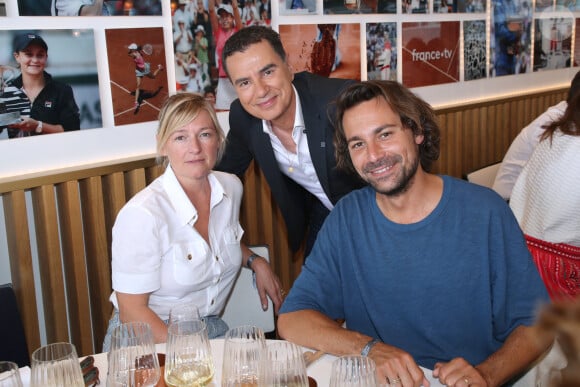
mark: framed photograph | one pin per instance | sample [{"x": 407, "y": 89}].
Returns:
[
  {"x": 323, "y": 49},
  {"x": 61, "y": 67},
  {"x": 553, "y": 43},
  {"x": 89, "y": 7},
  {"x": 137, "y": 73},
  {"x": 382, "y": 51},
  {"x": 474, "y": 50},
  {"x": 430, "y": 53}
]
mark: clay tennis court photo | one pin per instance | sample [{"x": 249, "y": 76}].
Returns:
[{"x": 137, "y": 70}]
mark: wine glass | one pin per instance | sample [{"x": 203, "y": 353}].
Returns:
[
  {"x": 55, "y": 365},
  {"x": 183, "y": 312},
  {"x": 283, "y": 365},
  {"x": 9, "y": 374},
  {"x": 243, "y": 350},
  {"x": 353, "y": 371},
  {"x": 132, "y": 359},
  {"x": 188, "y": 359}
]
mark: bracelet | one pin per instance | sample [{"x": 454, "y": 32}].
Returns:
[
  {"x": 367, "y": 348},
  {"x": 251, "y": 260}
]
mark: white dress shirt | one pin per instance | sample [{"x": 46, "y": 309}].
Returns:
[
  {"x": 298, "y": 166},
  {"x": 157, "y": 250}
]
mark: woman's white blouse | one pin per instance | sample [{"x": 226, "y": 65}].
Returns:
[{"x": 157, "y": 250}]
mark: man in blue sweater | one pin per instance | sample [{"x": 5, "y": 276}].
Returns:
[{"x": 426, "y": 270}]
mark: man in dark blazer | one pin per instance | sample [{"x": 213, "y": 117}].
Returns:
[{"x": 283, "y": 122}]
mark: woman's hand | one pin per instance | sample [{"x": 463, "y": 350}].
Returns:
[{"x": 268, "y": 284}]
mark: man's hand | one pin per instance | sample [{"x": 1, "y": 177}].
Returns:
[
  {"x": 397, "y": 367},
  {"x": 459, "y": 373}
]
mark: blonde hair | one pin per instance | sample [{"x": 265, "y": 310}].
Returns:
[{"x": 178, "y": 111}]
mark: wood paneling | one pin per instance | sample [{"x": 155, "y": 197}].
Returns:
[{"x": 74, "y": 211}]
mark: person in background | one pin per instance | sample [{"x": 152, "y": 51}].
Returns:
[
  {"x": 45, "y": 105},
  {"x": 79, "y": 8},
  {"x": 426, "y": 270},
  {"x": 201, "y": 49},
  {"x": 546, "y": 203},
  {"x": 281, "y": 121},
  {"x": 142, "y": 69},
  {"x": 223, "y": 28},
  {"x": 523, "y": 145},
  {"x": 179, "y": 239}
]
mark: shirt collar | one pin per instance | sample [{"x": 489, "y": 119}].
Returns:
[{"x": 184, "y": 209}]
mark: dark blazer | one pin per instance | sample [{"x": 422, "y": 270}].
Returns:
[{"x": 246, "y": 141}]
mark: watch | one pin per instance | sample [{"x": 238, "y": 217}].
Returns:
[
  {"x": 251, "y": 260},
  {"x": 39, "y": 127}
]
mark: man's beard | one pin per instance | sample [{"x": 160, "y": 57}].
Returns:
[{"x": 403, "y": 182}]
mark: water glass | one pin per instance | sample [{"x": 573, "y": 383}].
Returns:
[
  {"x": 9, "y": 374},
  {"x": 243, "y": 350},
  {"x": 56, "y": 365},
  {"x": 353, "y": 371},
  {"x": 188, "y": 359},
  {"x": 132, "y": 359},
  {"x": 183, "y": 312},
  {"x": 283, "y": 366}
]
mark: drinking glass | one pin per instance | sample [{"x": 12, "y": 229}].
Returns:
[
  {"x": 9, "y": 374},
  {"x": 283, "y": 366},
  {"x": 188, "y": 359},
  {"x": 243, "y": 350},
  {"x": 55, "y": 365},
  {"x": 183, "y": 312},
  {"x": 133, "y": 360},
  {"x": 353, "y": 371}
]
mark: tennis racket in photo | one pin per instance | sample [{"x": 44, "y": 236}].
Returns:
[{"x": 147, "y": 49}]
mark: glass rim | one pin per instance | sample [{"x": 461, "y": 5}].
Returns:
[{"x": 69, "y": 347}]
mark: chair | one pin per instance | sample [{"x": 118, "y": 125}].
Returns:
[
  {"x": 13, "y": 341},
  {"x": 484, "y": 176},
  {"x": 243, "y": 306}
]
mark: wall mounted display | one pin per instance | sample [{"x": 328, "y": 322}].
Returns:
[
  {"x": 510, "y": 40},
  {"x": 48, "y": 76},
  {"x": 552, "y": 43},
  {"x": 323, "y": 49},
  {"x": 415, "y": 6},
  {"x": 359, "y": 6},
  {"x": 474, "y": 50},
  {"x": 2, "y": 8},
  {"x": 430, "y": 53},
  {"x": 89, "y": 8},
  {"x": 298, "y": 7},
  {"x": 137, "y": 72},
  {"x": 381, "y": 41}
]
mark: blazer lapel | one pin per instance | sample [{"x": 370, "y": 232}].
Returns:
[{"x": 316, "y": 133}]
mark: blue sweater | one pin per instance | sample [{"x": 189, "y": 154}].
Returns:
[{"x": 455, "y": 284}]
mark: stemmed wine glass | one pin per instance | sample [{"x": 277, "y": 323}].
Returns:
[
  {"x": 56, "y": 365},
  {"x": 132, "y": 359}
]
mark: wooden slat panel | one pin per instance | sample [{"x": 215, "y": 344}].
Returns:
[
  {"x": 75, "y": 267},
  {"x": 50, "y": 263},
  {"x": 134, "y": 182},
  {"x": 21, "y": 270},
  {"x": 114, "y": 197},
  {"x": 97, "y": 242}
]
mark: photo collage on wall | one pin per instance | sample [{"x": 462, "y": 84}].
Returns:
[{"x": 69, "y": 97}]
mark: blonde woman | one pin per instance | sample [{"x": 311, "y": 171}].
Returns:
[{"x": 179, "y": 239}]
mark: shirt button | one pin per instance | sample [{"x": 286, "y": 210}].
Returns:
[
  {"x": 189, "y": 257},
  {"x": 212, "y": 301},
  {"x": 217, "y": 258}
]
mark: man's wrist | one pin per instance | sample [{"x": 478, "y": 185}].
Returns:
[{"x": 367, "y": 348}]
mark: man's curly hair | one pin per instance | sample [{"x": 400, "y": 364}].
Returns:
[{"x": 415, "y": 114}]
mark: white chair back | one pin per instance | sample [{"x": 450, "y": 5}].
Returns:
[
  {"x": 243, "y": 306},
  {"x": 484, "y": 176}
]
